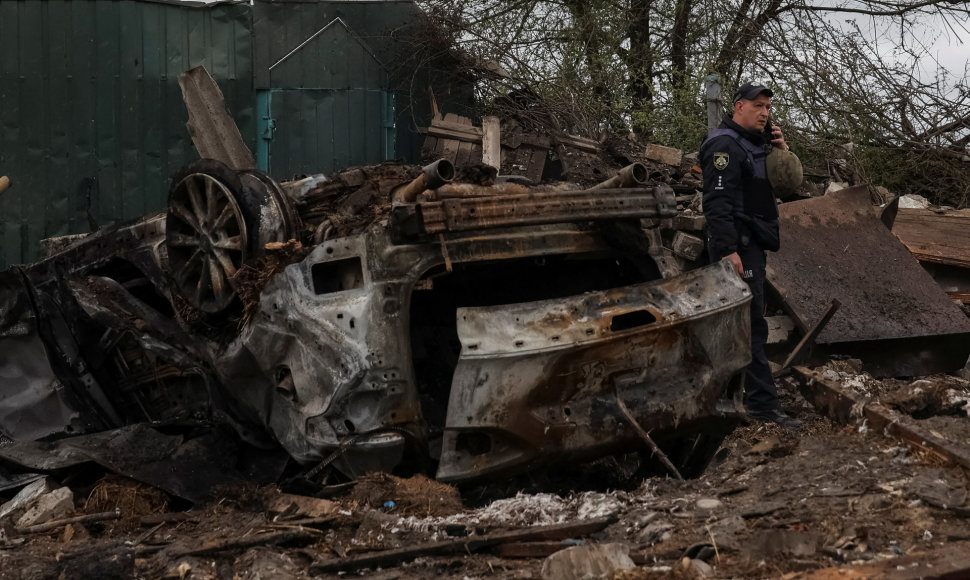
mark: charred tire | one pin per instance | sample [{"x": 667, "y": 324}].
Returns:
[
  {"x": 206, "y": 234},
  {"x": 269, "y": 215}
]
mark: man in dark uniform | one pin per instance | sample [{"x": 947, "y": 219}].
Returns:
[{"x": 742, "y": 223}]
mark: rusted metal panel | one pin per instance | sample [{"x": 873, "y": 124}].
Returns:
[
  {"x": 539, "y": 380},
  {"x": 213, "y": 130},
  {"x": 836, "y": 247},
  {"x": 455, "y": 215}
]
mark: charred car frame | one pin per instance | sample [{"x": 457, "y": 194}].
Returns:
[{"x": 469, "y": 329}]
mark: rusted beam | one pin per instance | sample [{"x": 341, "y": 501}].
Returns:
[
  {"x": 432, "y": 175},
  {"x": 467, "y": 190},
  {"x": 838, "y": 404},
  {"x": 633, "y": 175},
  {"x": 455, "y": 215},
  {"x": 463, "y": 545}
]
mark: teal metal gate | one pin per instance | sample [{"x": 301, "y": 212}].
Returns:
[{"x": 325, "y": 129}]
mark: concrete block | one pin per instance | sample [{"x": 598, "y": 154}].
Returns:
[
  {"x": 690, "y": 222},
  {"x": 780, "y": 328},
  {"x": 26, "y": 497},
  {"x": 666, "y": 155},
  {"x": 687, "y": 246},
  {"x": 50, "y": 506}
]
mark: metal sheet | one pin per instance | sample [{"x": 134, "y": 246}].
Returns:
[
  {"x": 194, "y": 468},
  {"x": 536, "y": 382},
  {"x": 836, "y": 247}
]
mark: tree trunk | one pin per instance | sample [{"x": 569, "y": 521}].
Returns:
[
  {"x": 640, "y": 63},
  {"x": 744, "y": 30}
]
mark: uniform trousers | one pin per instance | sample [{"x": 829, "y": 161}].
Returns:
[{"x": 760, "y": 393}]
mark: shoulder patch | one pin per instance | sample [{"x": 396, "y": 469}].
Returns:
[{"x": 721, "y": 161}]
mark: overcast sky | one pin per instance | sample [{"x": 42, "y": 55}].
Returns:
[{"x": 952, "y": 47}]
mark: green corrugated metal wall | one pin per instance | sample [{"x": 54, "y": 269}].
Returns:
[
  {"x": 89, "y": 89},
  {"x": 330, "y": 106},
  {"x": 391, "y": 28},
  {"x": 89, "y": 92}
]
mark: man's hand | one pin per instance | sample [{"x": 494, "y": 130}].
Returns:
[
  {"x": 736, "y": 261},
  {"x": 778, "y": 138}
]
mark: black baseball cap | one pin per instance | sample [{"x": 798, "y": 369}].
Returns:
[{"x": 750, "y": 90}]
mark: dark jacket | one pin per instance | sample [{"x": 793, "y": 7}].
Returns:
[{"x": 739, "y": 203}]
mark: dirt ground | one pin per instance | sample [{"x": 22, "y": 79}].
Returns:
[{"x": 774, "y": 503}]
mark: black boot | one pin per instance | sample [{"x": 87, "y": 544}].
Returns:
[{"x": 775, "y": 416}]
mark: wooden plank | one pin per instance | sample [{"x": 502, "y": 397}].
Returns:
[
  {"x": 838, "y": 404},
  {"x": 963, "y": 297},
  {"x": 449, "y": 149},
  {"x": 213, "y": 131},
  {"x": 456, "y": 119},
  {"x": 463, "y": 545},
  {"x": 460, "y": 127},
  {"x": 934, "y": 237},
  {"x": 579, "y": 143},
  {"x": 451, "y": 133},
  {"x": 428, "y": 149},
  {"x": 467, "y": 155},
  {"x": 536, "y": 140},
  {"x": 810, "y": 336},
  {"x": 536, "y": 165}
]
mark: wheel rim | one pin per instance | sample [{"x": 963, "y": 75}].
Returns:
[{"x": 206, "y": 241}]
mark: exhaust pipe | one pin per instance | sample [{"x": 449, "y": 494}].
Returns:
[
  {"x": 630, "y": 176},
  {"x": 432, "y": 176}
]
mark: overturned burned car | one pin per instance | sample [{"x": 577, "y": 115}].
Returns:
[{"x": 382, "y": 318}]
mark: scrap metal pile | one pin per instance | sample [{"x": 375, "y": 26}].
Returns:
[
  {"x": 449, "y": 321},
  {"x": 386, "y": 318}
]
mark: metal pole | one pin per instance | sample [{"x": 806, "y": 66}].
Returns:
[{"x": 492, "y": 142}]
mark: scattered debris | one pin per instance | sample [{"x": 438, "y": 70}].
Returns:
[
  {"x": 474, "y": 320},
  {"x": 467, "y": 545},
  {"x": 587, "y": 562}
]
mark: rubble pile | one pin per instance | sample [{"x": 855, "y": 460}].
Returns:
[
  {"x": 868, "y": 501},
  {"x": 262, "y": 381}
]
